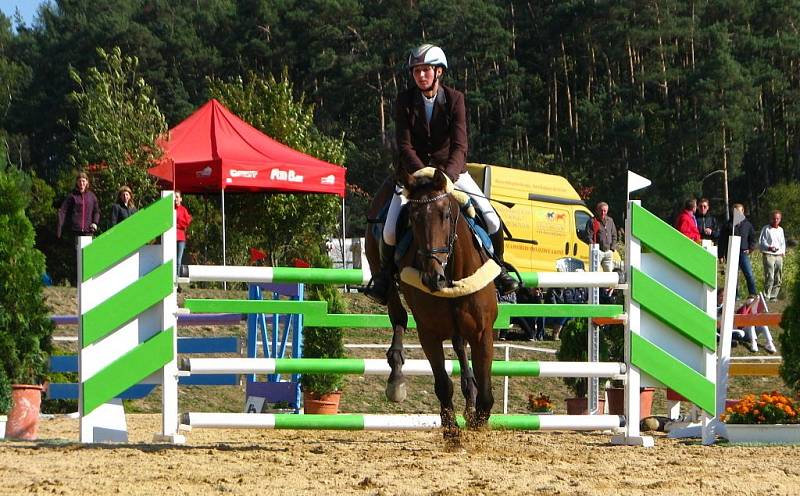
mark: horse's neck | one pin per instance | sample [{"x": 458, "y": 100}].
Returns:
[{"x": 466, "y": 258}]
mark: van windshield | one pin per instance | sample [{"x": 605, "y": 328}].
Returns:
[{"x": 581, "y": 219}]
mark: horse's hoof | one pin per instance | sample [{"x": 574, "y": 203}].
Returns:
[{"x": 396, "y": 392}]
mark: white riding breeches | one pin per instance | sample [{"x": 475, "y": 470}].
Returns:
[{"x": 464, "y": 183}]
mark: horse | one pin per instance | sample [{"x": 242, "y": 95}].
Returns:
[{"x": 447, "y": 282}]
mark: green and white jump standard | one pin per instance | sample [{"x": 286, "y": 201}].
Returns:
[
  {"x": 127, "y": 325},
  {"x": 670, "y": 332},
  {"x": 356, "y": 422}
]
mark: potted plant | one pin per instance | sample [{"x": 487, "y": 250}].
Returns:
[
  {"x": 770, "y": 418},
  {"x": 614, "y": 336},
  {"x": 574, "y": 348},
  {"x": 25, "y": 326},
  {"x": 540, "y": 404},
  {"x": 322, "y": 392}
]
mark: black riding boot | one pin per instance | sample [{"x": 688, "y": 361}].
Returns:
[
  {"x": 504, "y": 282},
  {"x": 379, "y": 290}
]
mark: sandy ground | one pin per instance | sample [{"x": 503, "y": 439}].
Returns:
[{"x": 382, "y": 463}]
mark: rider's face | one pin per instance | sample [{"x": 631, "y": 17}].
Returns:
[{"x": 424, "y": 75}]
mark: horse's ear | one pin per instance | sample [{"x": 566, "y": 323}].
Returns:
[
  {"x": 406, "y": 179},
  {"x": 440, "y": 180}
]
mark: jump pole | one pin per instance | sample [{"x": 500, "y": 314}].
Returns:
[
  {"x": 216, "y": 273},
  {"x": 366, "y": 366},
  {"x": 357, "y": 422}
]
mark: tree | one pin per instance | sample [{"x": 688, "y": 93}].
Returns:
[
  {"x": 25, "y": 325},
  {"x": 117, "y": 127}
]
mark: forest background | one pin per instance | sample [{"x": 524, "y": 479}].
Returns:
[{"x": 686, "y": 93}]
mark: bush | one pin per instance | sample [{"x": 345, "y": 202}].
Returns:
[
  {"x": 323, "y": 342},
  {"x": 790, "y": 341},
  {"x": 25, "y": 326},
  {"x": 574, "y": 348}
]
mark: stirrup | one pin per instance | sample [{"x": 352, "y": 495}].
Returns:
[{"x": 505, "y": 283}]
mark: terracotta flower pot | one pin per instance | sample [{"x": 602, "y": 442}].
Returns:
[
  {"x": 327, "y": 404},
  {"x": 580, "y": 406},
  {"x": 616, "y": 401},
  {"x": 23, "y": 419}
]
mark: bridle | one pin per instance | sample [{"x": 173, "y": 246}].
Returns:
[{"x": 451, "y": 237}]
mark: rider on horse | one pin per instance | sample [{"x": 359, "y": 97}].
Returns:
[{"x": 432, "y": 132}]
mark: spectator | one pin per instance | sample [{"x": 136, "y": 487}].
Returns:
[
  {"x": 686, "y": 223},
  {"x": 568, "y": 296},
  {"x": 81, "y": 208},
  {"x": 532, "y": 326},
  {"x": 182, "y": 221},
  {"x": 773, "y": 245},
  {"x": 747, "y": 233},
  {"x": 124, "y": 207},
  {"x": 602, "y": 231},
  {"x": 706, "y": 223}
]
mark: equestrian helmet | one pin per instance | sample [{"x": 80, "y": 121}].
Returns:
[{"x": 427, "y": 54}]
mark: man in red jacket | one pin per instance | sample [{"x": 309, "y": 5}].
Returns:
[
  {"x": 182, "y": 220},
  {"x": 686, "y": 223}
]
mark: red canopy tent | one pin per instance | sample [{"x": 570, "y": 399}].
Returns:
[{"x": 213, "y": 150}]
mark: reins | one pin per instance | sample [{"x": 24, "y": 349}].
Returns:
[{"x": 452, "y": 235}]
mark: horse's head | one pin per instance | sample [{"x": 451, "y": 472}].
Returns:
[{"x": 433, "y": 222}]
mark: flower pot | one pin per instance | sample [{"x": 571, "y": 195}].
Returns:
[
  {"x": 23, "y": 419},
  {"x": 616, "y": 401},
  {"x": 579, "y": 406},
  {"x": 763, "y": 433},
  {"x": 327, "y": 404}
]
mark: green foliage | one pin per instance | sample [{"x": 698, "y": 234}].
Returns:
[
  {"x": 118, "y": 123},
  {"x": 790, "y": 341},
  {"x": 323, "y": 342},
  {"x": 574, "y": 348},
  {"x": 25, "y": 326},
  {"x": 5, "y": 392}
]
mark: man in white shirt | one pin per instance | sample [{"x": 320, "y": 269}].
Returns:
[{"x": 773, "y": 245}]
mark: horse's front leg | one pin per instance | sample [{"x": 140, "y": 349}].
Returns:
[
  {"x": 482, "y": 354},
  {"x": 442, "y": 384},
  {"x": 468, "y": 387},
  {"x": 396, "y": 385}
]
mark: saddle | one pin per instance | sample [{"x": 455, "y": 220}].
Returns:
[{"x": 405, "y": 236}]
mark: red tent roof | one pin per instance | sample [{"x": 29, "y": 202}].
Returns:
[{"x": 213, "y": 149}]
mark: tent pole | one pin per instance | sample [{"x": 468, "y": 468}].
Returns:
[
  {"x": 344, "y": 238},
  {"x": 224, "y": 259}
]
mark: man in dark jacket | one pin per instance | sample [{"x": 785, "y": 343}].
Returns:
[
  {"x": 82, "y": 213},
  {"x": 81, "y": 208},
  {"x": 706, "y": 223},
  {"x": 431, "y": 131},
  {"x": 747, "y": 245}
]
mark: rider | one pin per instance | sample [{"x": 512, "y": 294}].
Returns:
[{"x": 432, "y": 132}]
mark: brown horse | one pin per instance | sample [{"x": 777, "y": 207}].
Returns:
[{"x": 443, "y": 254}]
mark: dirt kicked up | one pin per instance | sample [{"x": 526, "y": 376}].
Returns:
[{"x": 265, "y": 462}]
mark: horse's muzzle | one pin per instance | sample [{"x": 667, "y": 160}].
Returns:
[{"x": 435, "y": 281}]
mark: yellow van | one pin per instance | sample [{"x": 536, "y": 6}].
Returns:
[{"x": 545, "y": 216}]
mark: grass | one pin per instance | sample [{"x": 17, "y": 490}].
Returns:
[{"x": 365, "y": 394}]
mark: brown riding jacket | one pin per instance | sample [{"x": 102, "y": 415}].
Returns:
[{"x": 443, "y": 143}]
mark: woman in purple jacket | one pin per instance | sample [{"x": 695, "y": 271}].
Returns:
[{"x": 81, "y": 208}]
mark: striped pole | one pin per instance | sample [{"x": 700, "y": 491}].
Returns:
[
  {"x": 230, "y": 273},
  {"x": 363, "y": 366},
  {"x": 359, "y": 422}
]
